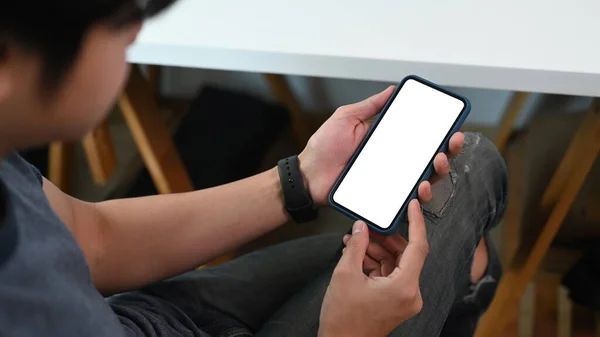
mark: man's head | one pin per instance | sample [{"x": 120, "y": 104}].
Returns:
[{"x": 62, "y": 64}]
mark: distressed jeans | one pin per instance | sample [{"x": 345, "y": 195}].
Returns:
[{"x": 278, "y": 291}]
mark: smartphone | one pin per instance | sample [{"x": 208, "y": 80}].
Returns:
[{"x": 397, "y": 154}]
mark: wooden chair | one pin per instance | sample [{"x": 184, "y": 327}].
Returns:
[
  {"x": 532, "y": 158},
  {"x": 548, "y": 214},
  {"x": 140, "y": 109}
]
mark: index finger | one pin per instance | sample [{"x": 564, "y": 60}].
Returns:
[{"x": 410, "y": 265}]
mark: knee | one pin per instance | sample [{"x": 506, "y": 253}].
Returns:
[
  {"x": 479, "y": 148},
  {"x": 483, "y": 169},
  {"x": 481, "y": 161}
]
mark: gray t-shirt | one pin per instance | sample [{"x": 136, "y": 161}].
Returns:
[{"x": 45, "y": 285}]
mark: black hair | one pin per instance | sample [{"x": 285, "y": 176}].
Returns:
[{"x": 54, "y": 29}]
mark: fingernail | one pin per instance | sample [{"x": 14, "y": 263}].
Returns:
[{"x": 358, "y": 227}]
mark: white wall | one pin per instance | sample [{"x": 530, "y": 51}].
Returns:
[{"x": 326, "y": 94}]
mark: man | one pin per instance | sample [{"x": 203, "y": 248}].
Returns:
[{"x": 62, "y": 64}]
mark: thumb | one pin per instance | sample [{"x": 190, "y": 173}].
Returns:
[{"x": 356, "y": 248}]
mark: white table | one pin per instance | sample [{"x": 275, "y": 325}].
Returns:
[
  {"x": 518, "y": 45},
  {"x": 527, "y": 45}
]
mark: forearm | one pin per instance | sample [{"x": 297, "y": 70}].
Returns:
[{"x": 152, "y": 238}]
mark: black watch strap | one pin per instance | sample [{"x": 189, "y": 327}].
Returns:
[{"x": 298, "y": 202}]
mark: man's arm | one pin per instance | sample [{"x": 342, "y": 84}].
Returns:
[{"x": 129, "y": 243}]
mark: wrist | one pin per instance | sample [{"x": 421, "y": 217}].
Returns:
[
  {"x": 297, "y": 197},
  {"x": 308, "y": 176},
  {"x": 275, "y": 184},
  {"x": 302, "y": 163}
]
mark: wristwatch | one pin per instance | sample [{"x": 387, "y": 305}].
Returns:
[{"x": 298, "y": 202}]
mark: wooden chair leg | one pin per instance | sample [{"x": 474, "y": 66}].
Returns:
[
  {"x": 528, "y": 258},
  {"x": 524, "y": 327},
  {"x": 100, "y": 153},
  {"x": 571, "y": 160},
  {"x": 60, "y": 160},
  {"x": 508, "y": 119},
  {"x": 152, "y": 137},
  {"x": 283, "y": 94},
  {"x": 547, "y": 285}
]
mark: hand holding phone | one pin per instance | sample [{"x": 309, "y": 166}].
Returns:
[{"x": 398, "y": 153}]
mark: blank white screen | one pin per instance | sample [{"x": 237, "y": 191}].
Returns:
[{"x": 398, "y": 152}]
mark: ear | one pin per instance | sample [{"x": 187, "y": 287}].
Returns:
[{"x": 6, "y": 78}]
